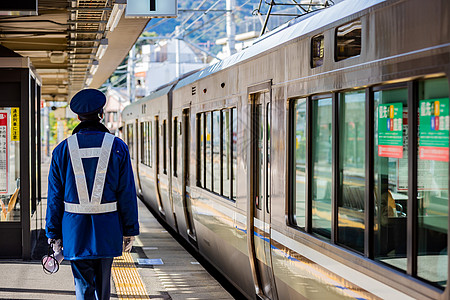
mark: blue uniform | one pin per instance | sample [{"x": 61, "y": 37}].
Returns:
[{"x": 91, "y": 235}]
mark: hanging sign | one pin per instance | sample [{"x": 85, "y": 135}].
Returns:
[
  {"x": 15, "y": 124},
  {"x": 434, "y": 129},
  {"x": 3, "y": 152},
  {"x": 152, "y": 8},
  {"x": 390, "y": 130}
]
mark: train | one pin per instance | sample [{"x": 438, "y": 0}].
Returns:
[{"x": 313, "y": 164}]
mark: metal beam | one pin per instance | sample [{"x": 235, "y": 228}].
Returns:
[
  {"x": 85, "y": 31},
  {"x": 82, "y": 41},
  {"x": 89, "y": 9},
  {"x": 87, "y": 22},
  {"x": 35, "y": 32},
  {"x": 203, "y": 10}
]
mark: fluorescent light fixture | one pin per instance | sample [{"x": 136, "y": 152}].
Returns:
[
  {"x": 94, "y": 67},
  {"x": 89, "y": 80},
  {"x": 116, "y": 13},
  {"x": 102, "y": 48}
]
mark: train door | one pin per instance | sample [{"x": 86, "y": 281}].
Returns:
[
  {"x": 259, "y": 205},
  {"x": 157, "y": 166},
  {"x": 185, "y": 169}
]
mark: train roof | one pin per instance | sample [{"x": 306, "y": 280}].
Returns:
[
  {"x": 164, "y": 89},
  {"x": 287, "y": 32}
]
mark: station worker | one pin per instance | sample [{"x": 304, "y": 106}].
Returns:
[{"x": 92, "y": 204}]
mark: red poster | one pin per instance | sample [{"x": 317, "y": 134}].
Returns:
[
  {"x": 390, "y": 151},
  {"x": 3, "y": 119}
]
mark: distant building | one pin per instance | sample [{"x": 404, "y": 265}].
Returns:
[
  {"x": 242, "y": 41},
  {"x": 158, "y": 64},
  {"x": 116, "y": 100}
]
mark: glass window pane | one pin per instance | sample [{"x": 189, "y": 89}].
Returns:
[
  {"x": 317, "y": 51},
  {"x": 352, "y": 169},
  {"x": 157, "y": 143},
  {"x": 175, "y": 146},
  {"x": 432, "y": 180},
  {"x": 130, "y": 139},
  {"x": 321, "y": 166},
  {"x": 201, "y": 149},
  {"x": 226, "y": 153},
  {"x": 208, "y": 163},
  {"x": 299, "y": 145},
  {"x": 390, "y": 176},
  {"x": 147, "y": 143},
  {"x": 234, "y": 151},
  {"x": 164, "y": 142},
  {"x": 150, "y": 141},
  {"x": 9, "y": 165},
  {"x": 216, "y": 151},
  {"x": 143, "y": 142},
  {"x": 348, "y": 40}
]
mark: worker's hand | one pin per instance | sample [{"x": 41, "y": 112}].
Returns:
[
  {"x": 127, "y": 243},
  {"x": 56, "y": 244}
]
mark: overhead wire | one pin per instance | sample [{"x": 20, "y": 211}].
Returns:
[{"x": 216, "y": 24}]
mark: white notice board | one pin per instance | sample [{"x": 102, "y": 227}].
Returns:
[{"x": 152, "y": 8}]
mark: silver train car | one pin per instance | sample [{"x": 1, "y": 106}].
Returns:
[{"x": 295, "y": 168}]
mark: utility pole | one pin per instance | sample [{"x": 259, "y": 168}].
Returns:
[
  {"x": 131, "y": 81},
  {"x": 231, "y": 27},
  {"x": 177, "y": 52}
]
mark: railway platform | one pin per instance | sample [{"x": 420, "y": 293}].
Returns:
[{"x": 158, "y": 267}]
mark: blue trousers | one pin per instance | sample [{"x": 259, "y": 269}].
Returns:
[{"x": 92, "y": 278}]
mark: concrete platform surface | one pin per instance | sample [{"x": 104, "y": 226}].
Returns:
[{"x": 179, "y": 277}]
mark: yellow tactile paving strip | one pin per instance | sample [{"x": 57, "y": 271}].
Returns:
[{"x": 127, "y": 280}]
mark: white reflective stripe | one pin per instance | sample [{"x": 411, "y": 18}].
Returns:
[
  {"x": 90, "y": 205},
  {"x": 78, "y": 170},
  {"x": 90, "y": 208},
  {"x": 102, "y": 167},
  {"x": 90, "y": 152}
]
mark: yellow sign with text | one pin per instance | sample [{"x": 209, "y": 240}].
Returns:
[{"x": 15, "y": 124}]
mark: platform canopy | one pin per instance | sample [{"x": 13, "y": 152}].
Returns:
[{"x": 64, "y": 38}]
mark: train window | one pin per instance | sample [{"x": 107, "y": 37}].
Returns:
[
  {"x": 217, "y": 159},
  {"x": 321, "y": 166},
  {"x": 164, "y": 144},
  {"x": 298, "y": 115},
  {"x": 226, "y": 153},
  {"x": 143, "y": 142},
  {"x": 348, "y": 40},
  {"x": 175, "y": 146},
  {"x": 157, "y": 142},
  {"x": 317, "y": 51},
  {"x": 149, "y": 143},
  {"x": 352, "y": 121},
  {"x": 201, "y": 150},
  {"x": 234, "y": 152},
  {"x": 208, "y": 146},
  {"x": 130, "y": 140},
  {"x": 216, "y": 155},
  {"x": 432, "y": 180},
  {"x": 390, "y": 175}
]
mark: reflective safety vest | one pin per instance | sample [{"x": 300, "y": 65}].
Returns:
[{"x": 90, "y": 205}]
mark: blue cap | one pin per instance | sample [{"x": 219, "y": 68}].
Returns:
[{"x": 87, "y": 101}]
